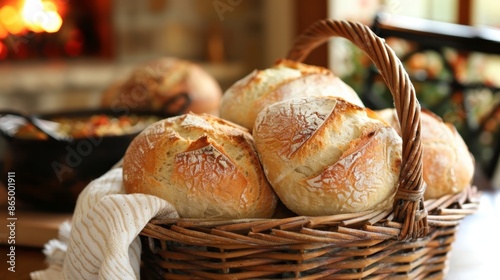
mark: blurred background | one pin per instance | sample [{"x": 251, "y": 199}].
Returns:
[{"x": 63, "y": 54}]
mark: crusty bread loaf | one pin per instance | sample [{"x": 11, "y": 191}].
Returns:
[
  {"x": 286, "y": 79},
  {"x": 203, "y": 165},
  {"x": 170, "y": 85},
  {"x": 448, "y": 166},
  {"x": 324, "y": 155}
]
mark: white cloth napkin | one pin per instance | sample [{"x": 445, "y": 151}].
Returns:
[{"x": 102, "y": 240}]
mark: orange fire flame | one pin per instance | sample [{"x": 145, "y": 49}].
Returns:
[{"x": 34, "y": 15}]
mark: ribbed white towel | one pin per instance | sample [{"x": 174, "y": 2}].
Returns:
[{"x": 102, "y": 241}]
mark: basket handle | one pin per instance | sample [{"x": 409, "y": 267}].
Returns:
[{"x": 408, "y": 207}]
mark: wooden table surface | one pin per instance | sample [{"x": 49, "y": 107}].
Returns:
[
  {"x": 33, "y": 229},
  {"x": 474, "y": 253},
  {"x": 28, "y": 259}
]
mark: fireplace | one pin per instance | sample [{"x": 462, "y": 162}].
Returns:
[
  {"x": 99, "y": 42},
  {"x": 53, "y": 29}
]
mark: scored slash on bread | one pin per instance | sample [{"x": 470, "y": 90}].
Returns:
[
  {"x": 324, "y": 155},
  {"x": 206, "y": 167},
  {"x": 284, "y": 80}
]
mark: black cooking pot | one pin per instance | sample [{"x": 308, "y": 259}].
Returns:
[{"x": 51, "y": 173}]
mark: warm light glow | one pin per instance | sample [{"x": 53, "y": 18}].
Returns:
[
  {"x": 54, "y": 23},
  {"x": 34, "y": 15},
  {"x": 3, "y": 31},
  {"x": 41, "y": 16},
  {"x": 11, "y": 20}
]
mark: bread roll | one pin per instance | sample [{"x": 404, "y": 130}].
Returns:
[
  {"x": 286, "y": 79},
  {"x": 204, "y": 166},
  {"x": 448, "y": 166},
  {"x": 169, "y": 85},
  {"x": 325, "y": 156}
]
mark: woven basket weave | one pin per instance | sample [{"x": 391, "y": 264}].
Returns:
[{"x": 410, "y": 241}]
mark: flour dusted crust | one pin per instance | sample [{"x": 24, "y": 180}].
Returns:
[
  {"x": 284, "y": 80},
  {"x": 324, "y": 155},
  {"x": 448, "y": 166},
  {"x": 161, "y": 84},
  {"x": 204, "y": 166}
]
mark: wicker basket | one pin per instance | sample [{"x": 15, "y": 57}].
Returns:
[{"x": 410, "y": 241}]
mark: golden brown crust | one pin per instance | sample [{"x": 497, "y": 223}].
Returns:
[
  {"x": 203, "y": 165},
  {"x": 162, "y": 85},
  {"x": 360, "y": 167},
  {"x": 286, "y": 79},
  {"x": 448, "y": 166},
  {"x": 323, "y": 155}
]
